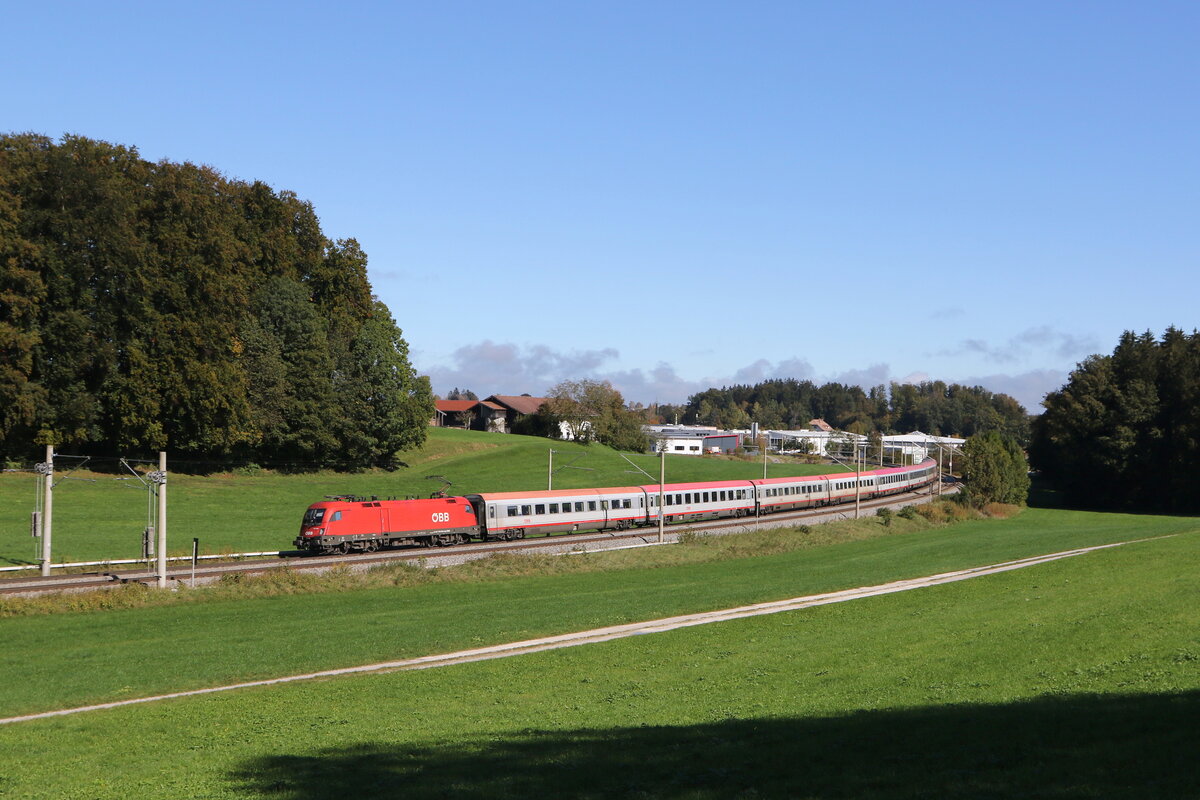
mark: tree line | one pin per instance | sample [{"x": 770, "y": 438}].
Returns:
[
  {"x": 788, "y": 404},
  {"x": 159, "y": 305},
  {"x": 1124, "y": 432}
]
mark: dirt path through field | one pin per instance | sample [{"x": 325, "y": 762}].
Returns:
[{"x": 604, "y": 634}]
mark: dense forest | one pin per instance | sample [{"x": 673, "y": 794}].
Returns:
[
  {"x": 933, "y": 407},
  {"x": 1125, "y": 430},
  {"x": 148, "y": 306}
]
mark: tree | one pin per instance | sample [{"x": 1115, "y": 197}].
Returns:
[
  {"x": 1124, "y": 432},
  {"x": 384, "y": 404},
  {"x": 594, "y": 410},
  {"x": 995, "y": 470},
  {"x": 150, "y": 305}
]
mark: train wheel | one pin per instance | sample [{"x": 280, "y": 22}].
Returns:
[
  {"x": 370, "y": 547},
  {"x": 342, "y": 548}
]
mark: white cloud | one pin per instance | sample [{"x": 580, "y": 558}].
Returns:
[
  {"x": 505, "y": 368},
  {"x": 1028, "y": 388},
  {"x": 1042, "y": 338}
]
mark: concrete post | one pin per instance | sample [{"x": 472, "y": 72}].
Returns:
[
  {"x": 162, "y": 521},
  {"x": 48, "y": 510}
]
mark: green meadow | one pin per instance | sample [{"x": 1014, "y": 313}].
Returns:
[
  {"x": 101, "y": 516},
  {"x": 1073, "y": 679}
]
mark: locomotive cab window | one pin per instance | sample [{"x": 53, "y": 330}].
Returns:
[{"x": 313, "y": 516}]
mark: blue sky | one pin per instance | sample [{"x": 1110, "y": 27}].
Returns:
[{"x": 677, "y": 195}]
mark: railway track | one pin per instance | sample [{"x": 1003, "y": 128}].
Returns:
[{"x": 434, "y": 557}]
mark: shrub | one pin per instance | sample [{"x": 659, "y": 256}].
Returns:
[
  {"x": 1001, "y": 510},
  {"x": 885, "y": 516}
]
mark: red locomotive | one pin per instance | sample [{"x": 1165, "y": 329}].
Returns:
[{"x": 346, "y": 523}]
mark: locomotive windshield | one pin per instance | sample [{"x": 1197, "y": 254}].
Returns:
[{"x": 313, "y": 516}]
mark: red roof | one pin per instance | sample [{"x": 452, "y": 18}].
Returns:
[
  {"x": 522, "y": 404},
  {"x": 452, "y": 406}
]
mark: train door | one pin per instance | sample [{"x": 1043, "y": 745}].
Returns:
[{"x": 485, "y": 515}]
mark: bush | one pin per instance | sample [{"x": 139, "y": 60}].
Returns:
[
  {"x": 946, "y": 511},
  {"x": 908, "y": 512},
  {"x": 1001, "y": 510},
  {"x": 885, "y": 516}
]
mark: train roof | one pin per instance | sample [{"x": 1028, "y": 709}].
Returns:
[{"x": 556, "y": 493}]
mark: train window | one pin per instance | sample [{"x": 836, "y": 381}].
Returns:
[
  {"x": 627, "y": 503},
  {"x": 525, "y": 511},
  {"x": 687, "y": 498},
  {"x": 337, "y": 515},
  {"x": 706, "y": 497},
  {"x": 678, "y": 499},
  {"x": 512, "y": 511},
  {"x": 492, "y": 512},
  {"x": 579, "y": 506},
  {"x": 670, "y": 500},
  {"x": 554, "y": 508},
  {"x": 591, "y": 505},
  {"x": 540, "y": 509}
]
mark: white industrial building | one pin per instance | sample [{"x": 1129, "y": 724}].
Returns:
[{"x": 692, "y": 440}]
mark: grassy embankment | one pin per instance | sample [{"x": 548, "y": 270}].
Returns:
[
  {"x": 1076, "y": 679},
  {"x": 98, "y": 517}
]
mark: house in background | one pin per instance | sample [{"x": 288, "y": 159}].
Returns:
[
  {"x": 478, "y": 415},
  {"x": 514, "y": 407}
]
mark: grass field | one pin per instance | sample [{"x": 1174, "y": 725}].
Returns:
[
  {"x": 1079, "y": 678},
  {"x": 99, "y": 517}
]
